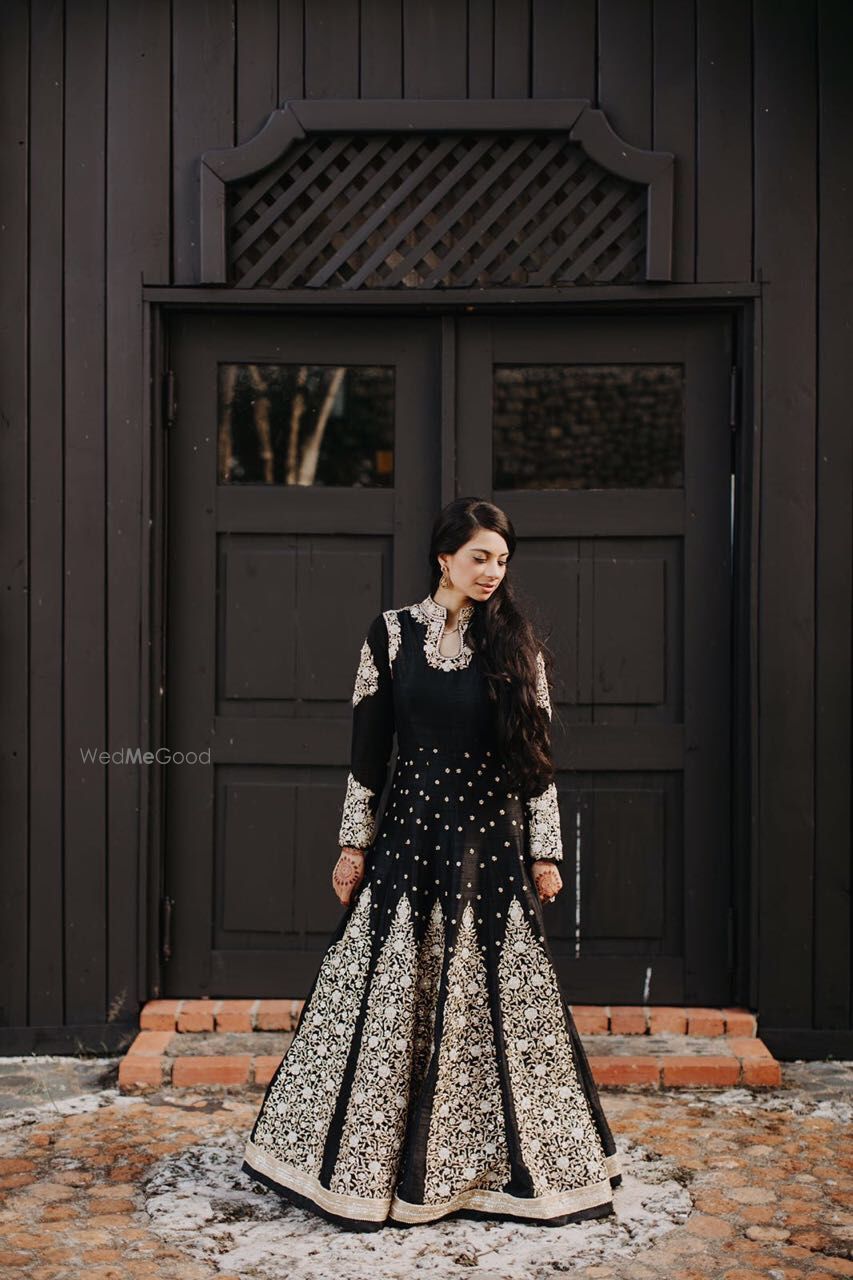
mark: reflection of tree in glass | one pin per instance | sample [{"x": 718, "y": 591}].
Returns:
[
  {"x": 275, "y": 424},
  {"x": 302, "y": 456},
  {"x": 261, "y": 414},
  {"x": 311, "y": 450},
  {"x": 228, "y": 463},
  {"x": 297, "y": 408},
  {"x": 227, "y": 385}
]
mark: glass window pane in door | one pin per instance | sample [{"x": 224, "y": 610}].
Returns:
[
  {"x": 306, "y": 424},
  {"x": 598, "y": 426}
]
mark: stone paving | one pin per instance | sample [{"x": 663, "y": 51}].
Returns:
[{"x": 718, "y": 1185}]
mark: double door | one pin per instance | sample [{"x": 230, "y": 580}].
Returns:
[{"x": 306, "y": 465}]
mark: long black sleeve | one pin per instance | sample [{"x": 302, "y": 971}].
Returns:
[
  {"x": 372, "y": 738},
  {"x": 542, "y": 810}
]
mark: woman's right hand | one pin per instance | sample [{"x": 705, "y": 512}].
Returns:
[{"x": 348, "y": 874}]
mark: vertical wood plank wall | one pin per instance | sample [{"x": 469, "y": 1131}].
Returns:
[{"x": 105, "y": 109}]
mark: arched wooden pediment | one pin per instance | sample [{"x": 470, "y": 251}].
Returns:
[{"x": 401, "y": 194}]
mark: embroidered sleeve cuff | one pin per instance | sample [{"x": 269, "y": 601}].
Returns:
[
  {"x": 544, "y": 814},
  {"x": 359, "y": 815}
]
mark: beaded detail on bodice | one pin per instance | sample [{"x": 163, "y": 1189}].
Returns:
[{"x": 399, "y": 688}]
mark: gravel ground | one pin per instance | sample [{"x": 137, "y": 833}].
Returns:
[{"x": 730, "y": 1184}]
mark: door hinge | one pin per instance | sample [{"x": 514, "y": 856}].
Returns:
[
  {"x": 166, "y": 905},
  {"x": 733, "y": 397},
  {"x": 170, "y": 404}
]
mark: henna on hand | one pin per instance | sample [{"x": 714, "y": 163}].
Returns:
[
  {"x": 348, "y": 874},
  {"x": 547, "y": 879}
]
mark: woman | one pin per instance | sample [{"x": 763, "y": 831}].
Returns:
[{"x": 436, "y": 1068}]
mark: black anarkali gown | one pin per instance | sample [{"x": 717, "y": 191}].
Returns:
[{"x": 436, "y": 1068}]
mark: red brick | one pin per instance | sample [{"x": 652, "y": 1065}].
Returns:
[
  {"x": 748, "y": 1047},
  {"x": 627, "y": 1019},
  {"x": 664, "y": 1018},
  {"x": 235, "y": 1015},
  {"x": 198, "y": 1015},
  {"x": 740, "y": 1022},
  {"x": 265, "y": 1067},
  {"x": 625, "y": 1069},
  {"x": 211, "y": 1069},
  {"x": 277, "y": 1015},
  {"x": 761, "y": 1071},
  {"x": 700, "y": 1069},
  {"x": 140, "y": 1070},
  {"x": 160, "y": 1015},
  {"x": 705, "y": 1022},
  {"x": 591, "y": 1019},
  {"x": 150, "y": 1044}
]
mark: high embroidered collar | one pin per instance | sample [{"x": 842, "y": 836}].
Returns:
[{"x": 435, "y": 610}]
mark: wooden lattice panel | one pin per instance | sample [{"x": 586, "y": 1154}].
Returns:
[
  {"x": 392, "y": 210},
  {"x": 414, "y": 194}
]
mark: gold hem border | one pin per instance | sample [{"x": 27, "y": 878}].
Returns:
[{"x": 553, "y": 1205}]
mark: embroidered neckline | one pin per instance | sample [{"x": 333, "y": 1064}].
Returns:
[
  {"x": 436, "y": 610},
  {"x": 433, "y": 615}
]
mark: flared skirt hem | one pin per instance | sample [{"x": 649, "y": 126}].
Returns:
[{"x": 360, "y": 1213}]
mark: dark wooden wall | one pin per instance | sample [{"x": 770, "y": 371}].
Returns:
[{"x": 105, "y": 110}]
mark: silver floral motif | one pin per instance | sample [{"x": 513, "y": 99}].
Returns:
[
  {"x": 358, "y": 823},
  {"x": 392, "y": 622},
  {"x": 430, "y": 964},
  {"x": 433, "y": 616},
  {"x": 366, "y": 677},
  {"x": 466, "y": 1147},
  {"x": 295, "y": 1119},
  {"x": 559, "y": 1142},
  {"x": 542, "y": 695},
  {"x": 467, "y": 1158},
  {"x": 543, "y": 810},
  {"x": 373, "y": 1130},
  {"x": 545, "y": 835}
]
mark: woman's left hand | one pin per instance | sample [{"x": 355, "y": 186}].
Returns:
[{"x": 547, "y": 879}]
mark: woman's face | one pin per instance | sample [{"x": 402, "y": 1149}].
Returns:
[{"x": 478, "y": 567}]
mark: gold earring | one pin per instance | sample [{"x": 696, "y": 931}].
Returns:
[{"x": 445, "y": 581}]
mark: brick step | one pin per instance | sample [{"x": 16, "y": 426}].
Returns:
[
  {"x": 215, "y": 1015},
  {"x": 247, "y": 1060}
]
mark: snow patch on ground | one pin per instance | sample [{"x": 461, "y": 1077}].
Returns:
[
  {"x": 76, "y": 1105},
  {"x": 201, "y": 1202},
  {"x": 839, "y": 1109}
]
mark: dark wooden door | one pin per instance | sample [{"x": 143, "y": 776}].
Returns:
[
  {"x": 301, "y": 499},
  {"x": 303, "y": 477},
  {"x": 607, "y": 441}
]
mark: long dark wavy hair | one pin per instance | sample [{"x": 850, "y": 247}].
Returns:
[{"x": 507, "y": 644}]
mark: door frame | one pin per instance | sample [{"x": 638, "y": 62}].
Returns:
[{"x": 161, "y": 402}]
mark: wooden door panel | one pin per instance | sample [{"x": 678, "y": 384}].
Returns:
[
  {"x": 628, "y": 629},
  {"x": 625, "y": 885},
  {"x": 258, "y": 598}
]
